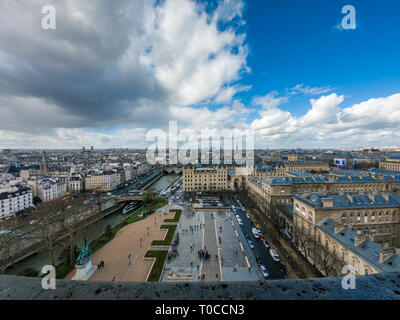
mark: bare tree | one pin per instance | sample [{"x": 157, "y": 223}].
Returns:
[
  {"x": 69, "y": 215},
  {"x": 326, "y": 261},
  {"x": 6, "y": 241}
]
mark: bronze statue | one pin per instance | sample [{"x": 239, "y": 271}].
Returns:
[{"x": 84, "y": 255}]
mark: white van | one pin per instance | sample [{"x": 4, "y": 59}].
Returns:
[{"x": 274, "y": 255}]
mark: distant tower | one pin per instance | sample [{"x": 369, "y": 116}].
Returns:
[
  {"x": 43, "y": 165},
  {"x": 83, "y": 149},
  {"x": 91, "y": 148}
]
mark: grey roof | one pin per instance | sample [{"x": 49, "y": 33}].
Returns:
[
  {"x": 368, "y": 250},
  {"x": 343, "y": 202}
]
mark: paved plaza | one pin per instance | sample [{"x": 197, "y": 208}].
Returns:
[{"x": 215, "y": 232}]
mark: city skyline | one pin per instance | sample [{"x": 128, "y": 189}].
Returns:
[{"x": 295, "y": 77}]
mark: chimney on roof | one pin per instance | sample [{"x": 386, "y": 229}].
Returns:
[
  {"x": 338, "y": 227},
  {"x": 350, "y": 198},
  {"x": 371, "y": 197},
  {"x": 385, "y": 196},
  {"x": 327, "y": 202},
  {"x": 359, "y": 239},
  {"x": 386, "y": 254}
]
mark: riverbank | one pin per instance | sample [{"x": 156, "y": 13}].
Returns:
[{"x": 124, "y": 248}]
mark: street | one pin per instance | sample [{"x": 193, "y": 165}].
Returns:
[{"x": 259, "y": 249}]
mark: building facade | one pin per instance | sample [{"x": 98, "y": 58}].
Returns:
[
  {"x": 392, "y": 163},
  {"x": 13, "y": 202},
  {"x": 204, "y": 179}
]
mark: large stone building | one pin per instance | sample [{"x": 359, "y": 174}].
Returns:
[
  {"x": 342, "y": 246},
  {"x": 205, "y": 179},
  {"x": 279, "y": 190},
  {"x": 392, "y": 163},
  {"x": 373, "y": 215}
]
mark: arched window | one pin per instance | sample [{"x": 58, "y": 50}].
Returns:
[
  {"x": 358, "y": 217},
  {"x": 351, "y": 218},
  {"x": 380, "y": 217},
  {"x": 343, "y": 218},
  {"x": 366, "y": 218},
  {"x": 373, "y": 217}
]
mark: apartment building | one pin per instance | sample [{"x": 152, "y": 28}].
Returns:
[
  {"x": 15, "y": 201},
  {"x": 76, "y": 184},
  {"x": 50, "y": 189},
  {"x": 102, "y": 180}
]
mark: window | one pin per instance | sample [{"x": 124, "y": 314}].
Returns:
[
  {"x": 343, "y": 218},
  {"x": 358, "y": 217},
  {"x": 366, "y": 218}
]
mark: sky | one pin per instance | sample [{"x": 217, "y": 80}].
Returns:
[{"x": 112, "y": 71}]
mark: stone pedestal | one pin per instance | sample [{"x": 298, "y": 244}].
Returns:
[{"x": 85, "y": 271}]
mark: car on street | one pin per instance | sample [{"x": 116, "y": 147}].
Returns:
[
  {"x": 251, "y": 244},
  {"x": 240, "y": 222},
  {"x": 264, "y": 271},
  {"x": 248, "y": 216},
  {"x": 274, "y": 255},
  {"x": 259, "y": 261},
  {"x": 266, "y": 244},
  {"x": 255, "y": 233}
]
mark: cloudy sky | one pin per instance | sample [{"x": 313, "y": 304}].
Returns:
[{"x": 113, "y": 70}]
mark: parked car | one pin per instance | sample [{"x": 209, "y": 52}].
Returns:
[
  {"x": 259, "y": 261},
  {"x": 264, "y": 271},
  {"x": 274, "y": 255},
  {"x": 266, "y": 244},
  {"x": 240, "y": 222},
  {"x": 251, "y": 244},
  {"x": 248, "y": 216}
]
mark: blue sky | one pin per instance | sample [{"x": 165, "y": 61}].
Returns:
[
  {"x": 109, "y": 73},
  {"x": 292, "y": 42}
]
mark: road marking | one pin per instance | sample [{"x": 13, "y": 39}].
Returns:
[
  {"x": 247, "y": 262},
  {"x": 241, "y": 246}
]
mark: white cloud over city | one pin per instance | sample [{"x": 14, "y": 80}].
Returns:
[{"x": 113, "y": 70}]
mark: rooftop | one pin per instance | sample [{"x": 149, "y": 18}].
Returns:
[
  {"x": 315, "y": 200},
  {"x": 367, "y": 250}
]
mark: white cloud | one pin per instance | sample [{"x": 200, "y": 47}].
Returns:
[
  {"x": 270, "y": 100},
  {"x": 300, "y": 88},
  {"x": 120, "y": 64},
  {"x": 372, "y": 122}
]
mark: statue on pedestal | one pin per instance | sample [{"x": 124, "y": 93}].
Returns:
[{"x": 83, "y": 264}]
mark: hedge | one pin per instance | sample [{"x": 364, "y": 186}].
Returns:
[
  {"x": 158, "y": 265},
  {"x": 168, "y": 238},
  {"x": 176, "y": 217}
]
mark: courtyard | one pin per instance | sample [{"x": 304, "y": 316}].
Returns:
[{"x": 212, "y": 247}]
